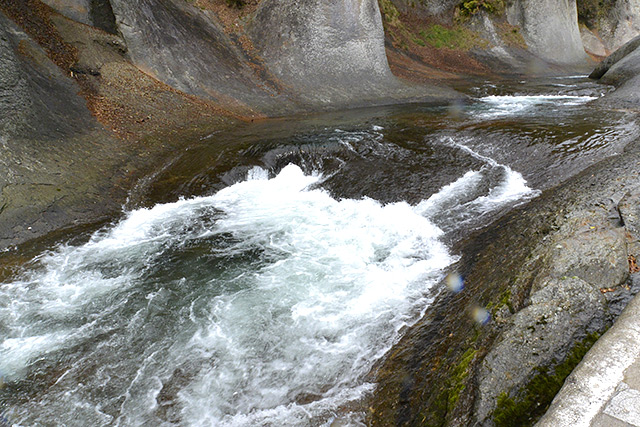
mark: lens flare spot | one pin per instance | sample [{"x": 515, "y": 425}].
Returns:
[
  {"x": 480, "y": 315},
  {"x": 455, "y": 283}
]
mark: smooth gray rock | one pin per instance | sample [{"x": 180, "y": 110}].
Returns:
[
  {"x": 314, "y": 42},
  {"x": 625, "y": 75},
  {"x": 36, "y": 98},
  {"x": 550, "y": 28},
  {"x": 331, "y": 53},
  {"x": 91, "y": 12},
  {"x": 186, "y": 48},
  {"x": 621, "y": 24},
  {"x": 623, "y": 70},
  {"x": 78, "y": 10},
  {"x": 55, "y": 156}
]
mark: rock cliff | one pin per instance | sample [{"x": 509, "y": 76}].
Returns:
[
  {"x": 93, "y": 93},
  {"x": 607, "y": 25},
  {"x": 550, "y": 29},
  {"x": 329, "y": 53},
  {"x": 44, "y": 126},
  {"x": 292, "y": 57}
]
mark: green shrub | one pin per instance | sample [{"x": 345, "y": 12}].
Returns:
[{"x": 471, "y": 7}]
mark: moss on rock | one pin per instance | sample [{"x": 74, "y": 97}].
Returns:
[
  {"x": 457, "y": 37},
  {"x": 526, "y": 406}
]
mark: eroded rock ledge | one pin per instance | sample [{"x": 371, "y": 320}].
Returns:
[{"x": 553, "y": 275}]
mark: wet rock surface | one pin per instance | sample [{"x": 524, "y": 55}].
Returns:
[
  {"x": 48, "y": 138},
  {"x": 67, "y": 128},
  {"x": 84, "y": 108},
  {"x": 553, "y": 275}
]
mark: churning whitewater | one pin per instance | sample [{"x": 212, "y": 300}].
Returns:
[
  {"x": 506, "y": 105},
  {"x": 266, "y": 303}
]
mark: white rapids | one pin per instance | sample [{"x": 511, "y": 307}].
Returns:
[
  {"x": 496, "y": 106},
  {"x": 266, "y": 303}
]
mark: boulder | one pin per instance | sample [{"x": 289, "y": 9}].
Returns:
[
  {"x": 560, "y": 314},
  {"x": 565, "y": 306},
  {"x": 622, "y": 69},
  {"x": 612, "y": 59}
]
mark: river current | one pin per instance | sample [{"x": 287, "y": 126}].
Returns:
[{"x": 259, "y": 275}]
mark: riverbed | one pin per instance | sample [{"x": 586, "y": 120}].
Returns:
[{"x": 258, "y": 276}]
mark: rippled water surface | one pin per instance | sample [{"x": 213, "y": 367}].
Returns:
[{"x": 257, "y": 277}]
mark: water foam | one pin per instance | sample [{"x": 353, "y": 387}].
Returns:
[
  {"x": 311, "y": 292},
  {"x": 508, "y": 105},
  {"x": 266, "y": 303},
  {"x": 463, "y": 201}
]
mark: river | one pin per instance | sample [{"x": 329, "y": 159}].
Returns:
[{"x": 258, "y": 276}]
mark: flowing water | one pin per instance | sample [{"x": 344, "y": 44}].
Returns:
[{"x": 259, "y": 275}]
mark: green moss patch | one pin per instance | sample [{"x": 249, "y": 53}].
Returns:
[
  {"x": 532, "y": 402},
  {"x": 450, "y": 393},
  {"x": 504, "y": 300},
  {"x": 458, "y": 377},
  {"x": 458, "y": 38}
]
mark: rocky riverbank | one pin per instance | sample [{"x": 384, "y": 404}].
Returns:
[{"x": 552, "y": 275}]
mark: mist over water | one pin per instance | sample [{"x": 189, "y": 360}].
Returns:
[{"x": 268, "y": 299}]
